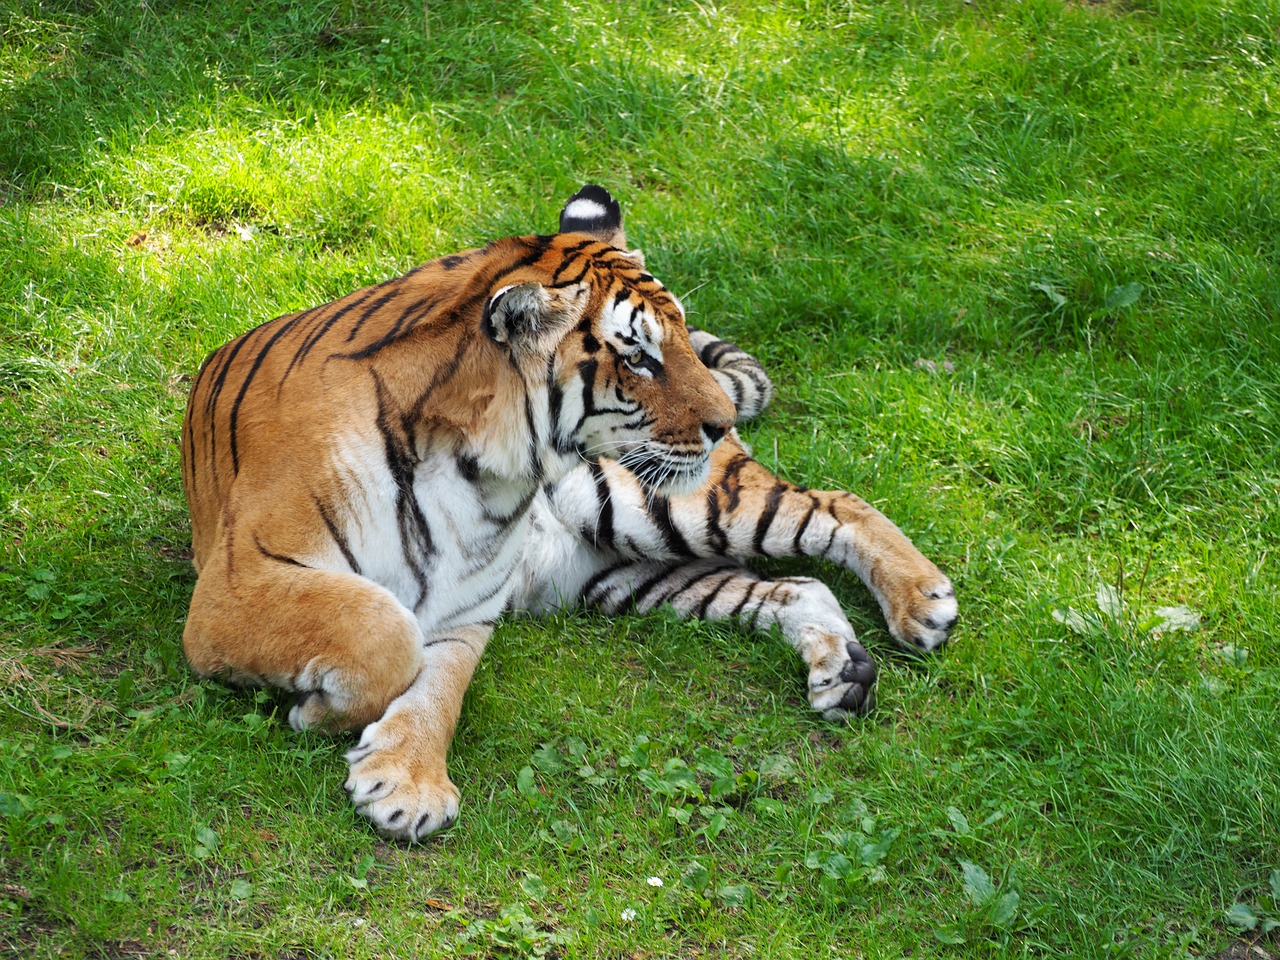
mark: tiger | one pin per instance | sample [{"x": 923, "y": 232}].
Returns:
[{"x": 524, "y": 428}]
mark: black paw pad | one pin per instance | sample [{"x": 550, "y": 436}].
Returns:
[{"x": 860, "y": 673}]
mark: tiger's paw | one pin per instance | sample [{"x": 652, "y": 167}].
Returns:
[
  {"x": 844, "y": 684},
  {"x": 311, "y": 712},
  {"x": 405, "y": 796},
  {"x": 921, "y": 614}
]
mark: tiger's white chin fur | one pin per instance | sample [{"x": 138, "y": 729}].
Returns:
[{"x": 680, "y": 482}]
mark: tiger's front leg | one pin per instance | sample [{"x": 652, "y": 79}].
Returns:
[
  {"x": 398, "y": 776},
  {"x": 744, "y": 511},
  {"x": 842, "y": 674}
]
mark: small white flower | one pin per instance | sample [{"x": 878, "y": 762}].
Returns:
[
  {"x": 654, "y": 881},
  {"x": 628, "y": 915}
]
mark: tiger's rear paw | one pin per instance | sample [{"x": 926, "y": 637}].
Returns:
[
  {"x": 312, "y": 711},
  {"x": 842, "y": 686},
  {"x": 404, "y": 797},
  {"x": 922, "y": 616}
]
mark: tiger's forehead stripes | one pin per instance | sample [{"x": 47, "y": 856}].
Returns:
[{"x": 630, "y": 320}]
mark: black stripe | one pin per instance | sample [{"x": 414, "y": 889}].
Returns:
[
  {"x": 701, "y": 611},
  {"x": 314, "y": 337},
  {"x": 586, "y": 268},
  {"x": 316, "y": 313},
  {"x": 587, "y": 372},
  {"x": 377, "y": 305},
  {"x": 244, "y": 388},
  {"x": 421, "y": 307},
  {"x": 766, "y": 517},
  {"x": 660, "y": 513},
  {"x": 400, "y": 329},
  {"x": 638, "y": 597},
  {"x": 830, "y": 510},
  {"x": 713, "y": 353},
  {"x": 468, "y": 466},
  {"x": 539, "y": 245},
  {"x": 804, "y": 525},
  {"x": 595, "y": 581},
  {"x": 442, "y": 375},
  {"x": 555, "y": 409},
  {"x": 738, "y": 394},
  {"x": 458, "y": 612},
  {"x": 416, "y": 542},
  {"x": 720, "y": 545},
  {"x": 746, "y": 598},
  {"x": 604, "y": 531},
  {"x": 690, "y": 584},
  {"x": 755, "y": 617},
  {"x": 279, "y": 558},
  {"x": 728, "y": 479},
  {"x": 568, "y": 254},
  {"x": 338, "y": 536},
  {"x": 215, "y": 393},
  {"x": 570, "y": 258},
  {"x": 189, "y": 461},
  {"x": 520, "y": 510},
  {"x": 222, "y": 358},
  {"x": 428, "y": 644},
  {"x": 535, "y": 441}
]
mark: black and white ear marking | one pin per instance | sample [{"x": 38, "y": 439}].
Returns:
[{"x": 593, "y": 211}]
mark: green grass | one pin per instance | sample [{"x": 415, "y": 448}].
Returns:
[{"x": 1015, "y": 268}]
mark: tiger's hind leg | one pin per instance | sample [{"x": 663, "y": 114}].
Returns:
[
  {"x": 739, "y": 374},
  {"x": 357, "y": 658},
  {"x": 343, "y": 644},
  {"x": 841, "y": 673}
]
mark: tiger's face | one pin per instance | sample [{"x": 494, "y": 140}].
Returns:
[
  {"x": 632, "y": 388},
  {"x": 622, "y": 379}
]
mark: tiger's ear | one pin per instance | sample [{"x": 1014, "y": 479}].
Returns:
[
  {"x": 529, "y": 318},
  {"x": 592, "y": 211}
]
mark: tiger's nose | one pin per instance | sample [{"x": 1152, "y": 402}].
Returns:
[{"x": 714, "y": 431}]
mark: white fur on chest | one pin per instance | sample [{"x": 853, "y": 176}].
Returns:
[
  {"x": 554, "y": 566},
  {"x": 446, "y": 546}
]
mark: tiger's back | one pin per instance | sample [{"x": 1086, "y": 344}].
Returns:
[{"x": 267, "y": 406}]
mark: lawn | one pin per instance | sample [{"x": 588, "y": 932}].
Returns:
[{"x": 1015, "y": 270}]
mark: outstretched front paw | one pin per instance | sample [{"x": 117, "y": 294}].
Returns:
[
  {"x": 844, "y": 683},
  {"x": 407, "y": 797},
  {"x": 922, "y": 612}
]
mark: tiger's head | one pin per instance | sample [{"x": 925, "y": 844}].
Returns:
[{"x": 622, "y": 379}]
